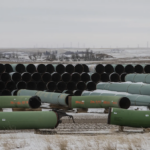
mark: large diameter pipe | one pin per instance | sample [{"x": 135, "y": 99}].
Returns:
[
  {"x": 118, "y": 68},
  {"x": 71, "y": 86},
  {"x": 85, "y": 68},
  {"x": 41, "y": 86},
  {"x": 20, "y": 68},
  {"x": 147, "y": 68},
  {"x": 29, "y": 120},
  {"x": 5, "y": 77},
  {"x": 128, "y": 68},
  {"x": 75, "y": 77},
  {"x": 60, "y": 68},
  {"x": 95, "y": 77},
  {"x": 31, "y": 85},
  {"x": 109, "y": 68},
  {"x": 130, "y": 118},
  {"x": 99, "y": 68},
  {"x": 5, "y": 92},
  {"x": 50, "y": 68},
  {"x": 78, "y": 68},
  {"x": 85, "y": 77},
  {"x": 8, "y": 68},
  {"x": 46, "y": 97},
  {"x": 139, "y": 68},
  {"x": 26, "y": 77},
  {"x": 30, "y": 68},
  {"x": 77, "y": 92},
  {"x": 2, "y": 85},
  {"x": 122, "y": 77},
  {"x": 55, "y": 77},
  {"x": 98, "y": 102},
  {"x": 14, "y": 92},
  {"x": 10, "y": 85},
  {"x": 114, "y": 77},
  {"x": 104, "y": 77},
  {"x": 36, "y": 77},
  {"x": 20, "y": 102},
  {"x": 51, "y": 86},
  {"x": 2, "y": 68},
  {"x": 21, "y": 85},
  {"x": 81, "y": 86},
  {"x": 15, "y": 76},
  {"x": 91, "y": 86},
  {"x": 66, "y": 77},
  {"x": 41, "y": 68},
  {"x": 46, "y": 77},
  {"x": 61, "y": 86},
  {"x": 69, "y": 68}
]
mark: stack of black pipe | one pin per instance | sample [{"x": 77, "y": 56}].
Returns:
[{"x": 66, "y": 78}]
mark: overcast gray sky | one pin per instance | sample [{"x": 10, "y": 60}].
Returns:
[{"x": 83, "y": 23}]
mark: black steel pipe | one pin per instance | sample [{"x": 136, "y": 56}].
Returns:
[
  {"x": 77, "y": 93},
  {"x": 46, "y": 77},
  {"x": 20, "y": 68},
  {"x": 55, "y": 77},
  {"x": 21, "y": 85},
  {"x": 85, "y": 68},
  {"x": 41, "y": 68},
  {"x": 104, "y": 77},
  {"x": 36, "y": 77},
  {"x": 122, "y": 76},
  {"x": 30, "y": 68},
  {"x": 5, "y": 77},
  {"x": 8, "y": 68},
  {"x": 85, "y": 77},
  {"x": 138, "y": 68},
  {"x": 91, "y": 86},
  {"x": 61, "y": 86},
  {"x": 75, "y": 77},
  {"x": 147, "y": 68},
  {"x": 71, "y": 86},
  {"x": 50, "y": 68},
  {"x": 109, "y": 68},
  {"x": 51, "y": 86},
  {"x": 41, "y": 86},
  {"x": 114, "y": 77},
  {"x": 129, "y": 68},
  {"x": 2, "y": 68},
  {"x": 95, "y": 77},
  {"x": 119, "y": 69},
  {"x": 81, "y": 86},
  {"x": 5, "y": 92},
  {"x": 15, "y": 76},
  {"x": 10, "y": 85},
  {"x": 60, "y": 68},
  {"x": 66, "y": 77},
  {"x": 78, "y": 68},
  {"x": 70, "y": 68},
  {"x": 2, "y": 85},
  {"x": 14, "y": 92},
  {"x": 31, "y": 85},
  {"x": 26, "y": 76}
]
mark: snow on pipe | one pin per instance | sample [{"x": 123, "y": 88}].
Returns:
[
  {"x": 2, "y": 85},
  {"x": 10, "y": 85},
  {"x": 26, "y": 77},
  {"x": 68, "y": 92},
  {"x": 20, "y": 68},
  {"x": 41, "y": 68},
  {"x": 90, "y": 86},
  {"x": 71, "y": 86},
  {"x": 15, "y": 76},
  {"x": 5, "y": 77},
  {"x": 60, "y": 68},
  {"x": 118, "y": 68},
  {"x": 21, "y": 85},
  {"x": 147, "y": 68},
  {"x": 78, "y": 68},
  {"x": 104, "y": 77},
  {"x": 75, "y": 77},
  {"x": 70, "y": 68},
  {"x": 128, "y": 68},
  {"x": 138, "y": 68},
  {"x": 30, "y": 68},
  {"x": 77, "y": 93},
  {"x": 8, "y": 68},
  {"x": 51, "y": 86},
  {"x": 85, "y": 77},
  {"x": 5, "y": 92},
  {"x": 36, "y": 77},
  {"x": 95, "y": 77},
  {"x": 31, "y": 85},
  {"x": 85, "y": 68},
  {"x": 2, "y": 68},
  {"x": 55, "y": 77},
  {"x": 46, "y": 77},
  {"x": 122, "y": 77},
  {"x": 61, "y": 86},
  {"x": 99, "y": 68},
  {"x": 50, "y": 68},
  {"x": 81, "y": 86},
  {"x": 66, "y": 77},
  {"x": 41, "y": 86},
  {"x": 14, "y": 92},
  {"x": 109, "y": 68},
  {"x": 114, "y": 77}
]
